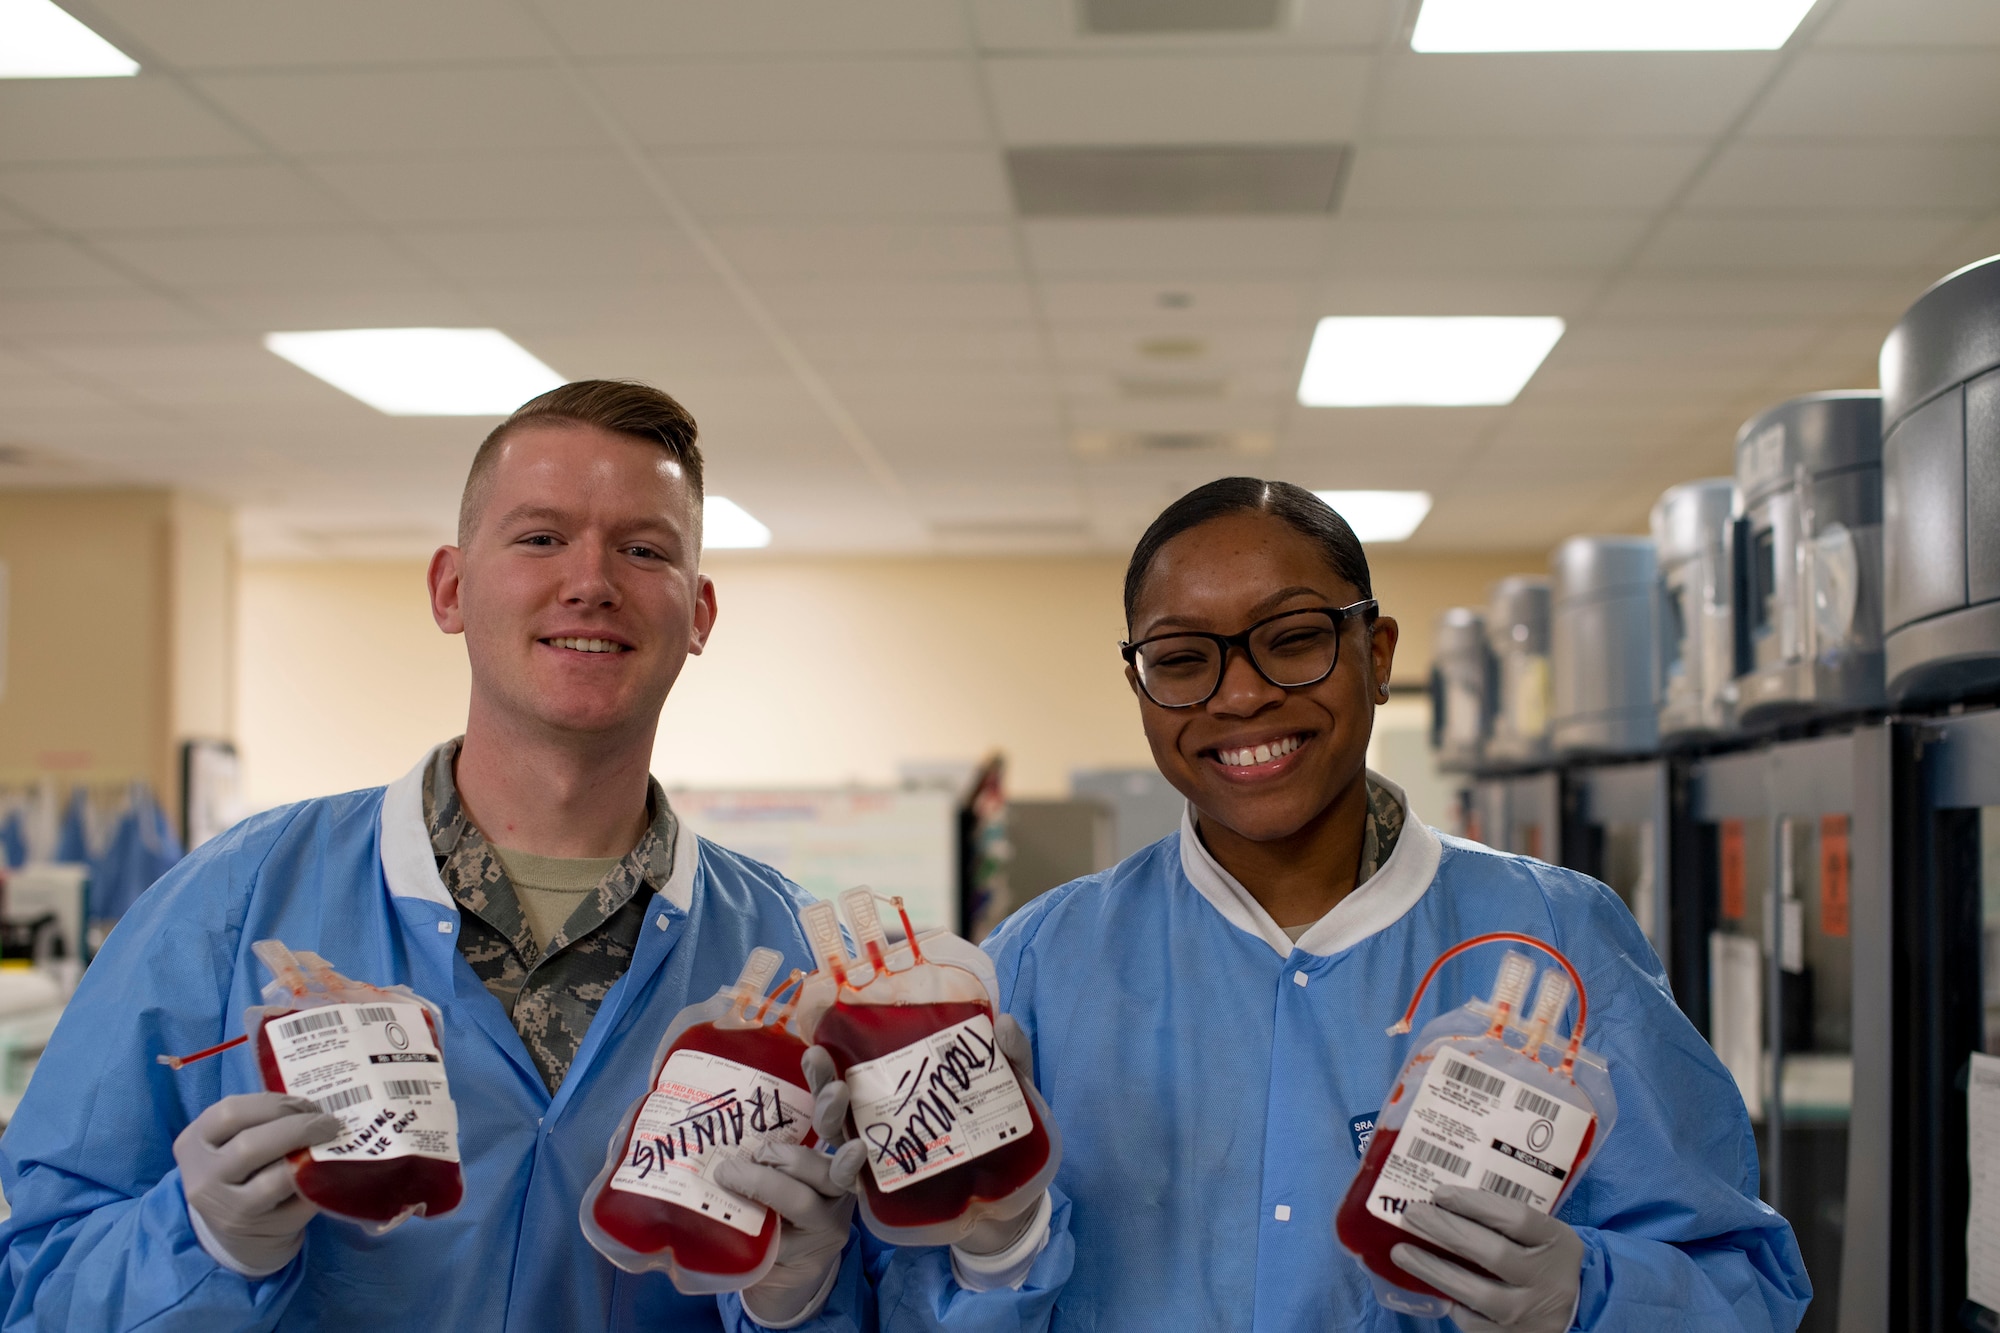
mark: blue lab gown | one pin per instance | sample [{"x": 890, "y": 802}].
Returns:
[
  {"x": 100, "y": 1239},
  {"x": 1212, "y": 1081}
]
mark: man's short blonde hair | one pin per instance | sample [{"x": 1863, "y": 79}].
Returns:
[{"x": 624, "y": 407}]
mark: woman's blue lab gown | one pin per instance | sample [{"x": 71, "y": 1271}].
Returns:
[
  {"x": 1214, "y": 1084},
  {"x": 99, "y": 1236}
]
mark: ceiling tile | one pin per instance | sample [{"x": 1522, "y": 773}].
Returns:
[
  {"x": 263, "y": 309},
  {"x": 1178, "y": 250},
  {"x": 561, "y": 250},
  {"x": 795, "y": 103},
  {"x": 83, "y": 120},
  {"x": 1518, "y": 177},
  {"x": 841, "y": 184},
  {"x": 1766, "y": 174},
  {"x": 1200, "y": 299},
  {"x": 1179, "y": 99},
  {"x": 1379, "y": 243},
  {"x": 620, "y": 28},
  {"x": 281, "y": 260},
  {"x": 1878, "y": 94},
  {"x": 147, "y": 198},
  {"x": 1945, "y": 23},
  {"x": 1358, "y": 292},
  {"x": 44, "y": 264},
  {"x": 776, "y": 250},
  {"x": 1683, "y": 295},
  {"x": 1677, "y": 94},
  {"x": 193, "y": 373},
  {"x": 518, "y": 108},
  {"x": 489, "y": 187},
  {"x": 821, "y": 298},
  {"x": 198, "y": 34},
  {"x": 1796, "y": 241},
  {"x": 37, "y": 315}
]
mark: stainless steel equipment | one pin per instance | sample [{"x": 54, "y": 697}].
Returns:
[
  {"x": 1941, "y": 473},
  {"x": 1517, "y": 634},
  {"x": 1603, "y": 655},
  {"x": 1461, "y": 690},
  {"x": 1693, "y": 528}
]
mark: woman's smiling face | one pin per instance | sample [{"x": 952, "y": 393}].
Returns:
[{"x": 1262, "y": 761}]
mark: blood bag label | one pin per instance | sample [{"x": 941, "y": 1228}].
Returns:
[
  {"x": 936, "y": 1104},
  {"x": 704, "y": 1111},
  {"x": 377, "y": 1068},
  {"x": 1474, "y": 1125}
]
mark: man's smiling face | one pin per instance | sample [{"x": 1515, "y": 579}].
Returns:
[{"x": 578, "y": 586}]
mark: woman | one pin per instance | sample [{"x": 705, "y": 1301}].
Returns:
[{"x": 1207, "y": 1018}]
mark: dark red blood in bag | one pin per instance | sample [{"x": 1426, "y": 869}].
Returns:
[
  {"x": 1370, "y": 1238},
  {"x": 648, "y": 1225},
  {"x": 379, "y": 1191},
  {"x": 854, "y": 1033}
]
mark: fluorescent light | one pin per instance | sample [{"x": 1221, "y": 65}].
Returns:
[
  {"x": 1397, "y": 362},
  {"x": 39, "y": 40},
  {"x": 421, "y": 372},
  {"x": 728, "y": 526},
  {"x": 1606, "y": 25},
  {"x": 1380, "y": 516}
]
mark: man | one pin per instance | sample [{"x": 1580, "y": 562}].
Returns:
[{"x": 530, "y": 879}]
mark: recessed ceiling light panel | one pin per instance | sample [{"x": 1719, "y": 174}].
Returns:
[
  {"x": 728, "y": 526},
  {"x": 40, "y": 40},
  {"x": 1460, "y": 361},
  {"x": 1606, "y": 25},
  {"x": 421, "y": 372},
  {"x": 1380, "y": 516}
]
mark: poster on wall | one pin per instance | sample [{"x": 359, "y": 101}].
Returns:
[{"x": 896, "y": 842}]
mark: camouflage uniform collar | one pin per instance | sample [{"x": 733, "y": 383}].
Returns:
[
  {"x": 1379, "y": 833},
  {"x": 479, "y": 883}
]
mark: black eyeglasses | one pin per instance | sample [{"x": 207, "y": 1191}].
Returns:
[{"x": 1291, "y": 650}]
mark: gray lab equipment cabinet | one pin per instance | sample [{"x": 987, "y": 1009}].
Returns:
[
  {"x": 1809, "y": 546},
  {"x": 1461, "y": 690},
  {"x": 1605, "y": 607},
  {"x": 1517, "y": 633},
  {"x": 1693, "y": 530},
  {"x": 1941, "y": 474}
]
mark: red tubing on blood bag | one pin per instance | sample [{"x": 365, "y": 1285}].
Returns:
[
  {"x": 649, "y": 1225},
  {"x": 856, "y": 1032},
  {"x": 380, "y": 1191}
]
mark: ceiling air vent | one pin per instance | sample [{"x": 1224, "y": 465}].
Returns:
[
  {"x": 1143, "y": 16},
  {"x": 1176, "y": 182}
]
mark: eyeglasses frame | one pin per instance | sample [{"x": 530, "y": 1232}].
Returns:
[{"x": 1367, "y": 609}]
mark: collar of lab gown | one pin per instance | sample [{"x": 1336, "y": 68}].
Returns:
[
  {"x": 1373, "y": 906},
  {"x": 410, "y": 864}
]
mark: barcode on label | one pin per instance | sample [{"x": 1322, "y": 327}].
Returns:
[
  {"x": 1458, "y": 1072},
  {"x": 297, "y": 1027},
  {"x": 375, "y": 1013},
  {"x": 1431, "y": 1155},
  {"x": 343, "y": 1099},
  {"x": 406, "y": 1087},
  {"x": 1494, "y": 1183},
  {"x": 1545, "y": 1107}
]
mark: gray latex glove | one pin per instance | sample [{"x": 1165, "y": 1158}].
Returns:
[
  {"x": 799, "y": 1184},
  {"x": 990, "y": 1235},
  {"x": 240, "y": 1195},
  {"x": 1538, "y": 1260}
]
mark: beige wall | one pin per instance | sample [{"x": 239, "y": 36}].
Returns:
[
  {"x": 118, "y": 640},
  {"x": 821, "y": 671}
]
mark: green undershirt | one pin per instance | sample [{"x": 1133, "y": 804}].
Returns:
[{"x": 549, "y": 888}]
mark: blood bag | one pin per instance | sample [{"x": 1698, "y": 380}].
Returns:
[
  {"x": 953, "y": 1137},
  {"x": 1477, "y": 1106},
  {"x": 726, "y": 1081},
  {"x": 373, "y": 1057}
]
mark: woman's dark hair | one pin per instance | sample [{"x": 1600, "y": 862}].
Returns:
[{"x": 1301, "y": 510}]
